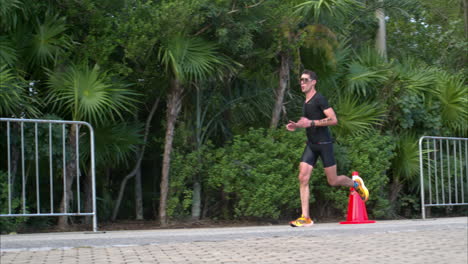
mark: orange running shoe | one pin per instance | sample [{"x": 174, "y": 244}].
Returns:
[
  {"x": 301, "y": 221},
  {"x": 361, "y": 188}
]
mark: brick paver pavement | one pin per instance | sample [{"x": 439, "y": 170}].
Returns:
[{"x": 408, "y": 242}]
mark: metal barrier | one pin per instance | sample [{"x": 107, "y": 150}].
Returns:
[
  {"x": 34, "y": 159},
  {"x": 443, "y": 169}
]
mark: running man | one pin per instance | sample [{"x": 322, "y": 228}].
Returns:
[{"x": 317, "y": 116}]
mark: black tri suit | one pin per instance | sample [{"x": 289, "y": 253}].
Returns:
[{"x": 319, "y": 140}]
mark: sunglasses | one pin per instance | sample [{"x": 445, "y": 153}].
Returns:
[{"x": 305, "y": 80}]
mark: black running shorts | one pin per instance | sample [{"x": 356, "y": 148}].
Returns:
[{"x": 324, "y": 151}]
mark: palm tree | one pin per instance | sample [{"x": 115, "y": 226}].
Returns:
[
  {"x": 316, "y": 36},
  {"x": 357, "y": 118},
  {"x": 86, "y": 95},
  {"x": 186, "y": 59},
  {"x": 367, "y": 74},
  {"x": 452, "y": 93},
  {"x": 9, "y": 10},
  {"x": 15, "y": 101},
  {"x": 405, "y": 165},
  {"x": 47, "y": 42}
]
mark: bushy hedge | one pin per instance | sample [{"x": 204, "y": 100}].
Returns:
[
  {"x": 9, "y": 224},
  {"x": 258, "y": 173},
  {"x": 371, "y": 156},
  {"x": 256, "y": 176}
]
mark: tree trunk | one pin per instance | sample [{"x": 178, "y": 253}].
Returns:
[
  {"x": 283, "y": 85},
  {"x": 381, "y": 38},
  {"x": 205, "y": 207},
  {"x": 70, "y": 177},
  {"x": 196, "y": 200},
  {"x": 138, "y": 191},
  {"x": 138, "y": 196},
  {"x": 15, "y": 159},
  {"x": 196, "y": 192},
  {"x": 465, "y": 16},
  {"x": 395, "y": 189},
  {"x": 138, "y": 164},
  {"x": 174, "y": 103}
]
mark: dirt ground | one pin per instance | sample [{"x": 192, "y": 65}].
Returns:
[{"x": 146, "y": 225}]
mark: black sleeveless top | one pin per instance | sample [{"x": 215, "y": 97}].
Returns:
[{"x": 313, "y": 110}]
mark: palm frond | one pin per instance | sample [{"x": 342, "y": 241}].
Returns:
[
  {"x": 366, "y": 73},
  {"x": 193, "y": 58},
  {"x": 453, "y": 96},
  {"x": 394, "y": 7},
  {"x": 406, "y": 161},
  {"x": 117, "y": 144},
  {"x": 356, "y": 117},
  {"x": 8, "y": 15},
  {"x": 362, "y": 80},
  {"x": 10, "y": 92},
  {"x": 15, "y": 99},
  {"x": 332, "y": 8},
  {"x": 414, "y": 77},
  {"x": 321, "y": 38},
  {"x": 87, "y": 95},
  {"x": 8, "y": 53},
  {"x": 369, "y": 57},
  {"x": 48, "y": 41}
]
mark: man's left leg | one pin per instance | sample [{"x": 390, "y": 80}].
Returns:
[
  {"x": 329, "y": 163},
  {"x": 335, "y": 180},
  {"x": 356, "y": 182}
]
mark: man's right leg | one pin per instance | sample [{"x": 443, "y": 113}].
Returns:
[{"x": 305, "y": 170}]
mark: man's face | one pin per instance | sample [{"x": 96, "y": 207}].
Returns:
[{"x": 306, "y": 83}]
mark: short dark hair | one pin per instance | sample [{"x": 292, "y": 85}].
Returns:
[{"x": 312, "y": 75}]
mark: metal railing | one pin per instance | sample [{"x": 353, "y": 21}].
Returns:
[
  {"x": 49, "y": 155},
  {"x": 443, "y": 170}
]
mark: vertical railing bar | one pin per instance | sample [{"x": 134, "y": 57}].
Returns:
[
  {"x": 66, "y": 182},
  {"x": 9, "y": 168},
  {"x": 93, "y": 176},
  {"x": 436, "y": 176},
  {"x": 423, "y": 205},
  {"x": 64, "y": 171},
  {"x": 23, "y": 184},
  {"x": 455, "y": 170},
  {"x": 51, "y": 172},
  {"x": 38, "y": 199},
  {"x": 449, "y": 175},
  {"x": 442, "y": 170},
  {"x": 429, "y": 170},
  {"x": 77, "y": 132},
  {"x": 466, "y": 172}
]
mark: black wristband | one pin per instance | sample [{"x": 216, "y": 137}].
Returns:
[{"x": 312, "y": 123}]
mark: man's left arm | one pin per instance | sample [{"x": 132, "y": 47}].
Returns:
[{"x": 329, "y": 120}]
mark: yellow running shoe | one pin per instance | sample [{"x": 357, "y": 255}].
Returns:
[
  {"x": 301, "y": 221},
  {"x": 361, "y": 188}
]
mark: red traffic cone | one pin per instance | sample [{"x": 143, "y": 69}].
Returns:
[{"x": 357, "y": 213}]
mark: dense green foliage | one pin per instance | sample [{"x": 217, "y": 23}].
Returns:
[
  {"x": 12, "y": 206},
  {"x": 255, "y": 176},
  {"x": 207, "y": 73}
]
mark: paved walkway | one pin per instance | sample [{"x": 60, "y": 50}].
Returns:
[{"x": 442, "y": 240}]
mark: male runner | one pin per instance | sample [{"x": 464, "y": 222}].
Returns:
[{"x": 317, "y": 116}]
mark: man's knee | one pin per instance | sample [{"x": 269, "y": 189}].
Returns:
[
  {"x": 332, "y": 182},
  {"x": 304, "y": 178}
]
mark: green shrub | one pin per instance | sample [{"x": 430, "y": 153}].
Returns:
[
  {"x": 184, "y": 167},
  {"x": 9, "y": 224},
  {"x": 257, "y": 173},
  {"x": 371, "y": 156},
  {"x": 256, "y": 176}
]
